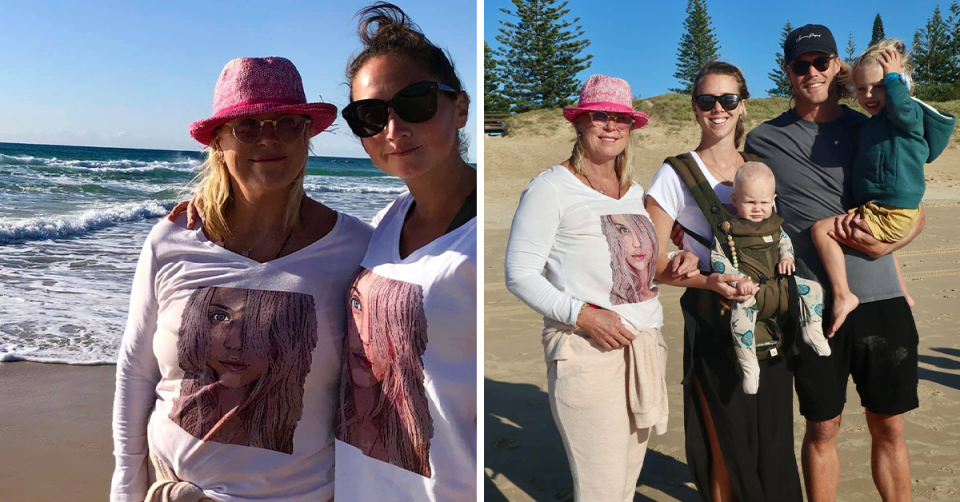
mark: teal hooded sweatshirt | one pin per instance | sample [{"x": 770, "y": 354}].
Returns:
[{"x": 894, "y": 145}]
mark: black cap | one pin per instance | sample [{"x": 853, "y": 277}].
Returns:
[{"x": 808, "y": 38}]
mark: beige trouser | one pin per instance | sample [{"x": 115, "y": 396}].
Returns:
[{"x": 590, "y": 400}]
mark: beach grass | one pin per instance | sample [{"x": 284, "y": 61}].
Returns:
[{"x": 672, "y": 113}]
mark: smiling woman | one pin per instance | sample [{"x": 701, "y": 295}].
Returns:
[
  {"x": 212, "y": 370},
  {"x": 584, "y": 221}
]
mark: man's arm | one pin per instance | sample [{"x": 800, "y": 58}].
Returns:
[{"x": 849, "y": 231}]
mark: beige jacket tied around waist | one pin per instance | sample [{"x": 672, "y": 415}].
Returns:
[{"x": 646, "y": 367}]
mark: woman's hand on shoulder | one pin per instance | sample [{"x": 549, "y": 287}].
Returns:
[
  {"x": 193, "y": 209},
  {"x": 721, "y": 284},
  {"x": 684, "y": 264},
  {"x": 605, "y": 327}
]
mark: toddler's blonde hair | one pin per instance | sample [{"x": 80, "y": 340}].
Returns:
[{"x": 869, "y": 56}]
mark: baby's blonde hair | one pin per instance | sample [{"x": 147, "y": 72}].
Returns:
[
  {"x": 754, "y": 172},
  {"x": 869, "y": 57}
]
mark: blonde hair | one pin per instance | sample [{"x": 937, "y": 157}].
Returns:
[
  {"x": 216, "y": 193},
  {"x": 755, "y": 172},
  {"x": 631, "y": 285},
  {"x": 869, "y": 57},
  {"x": 621, "y": 164}
]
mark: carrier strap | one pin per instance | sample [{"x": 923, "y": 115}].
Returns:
[{"x": 704, "y": 195}]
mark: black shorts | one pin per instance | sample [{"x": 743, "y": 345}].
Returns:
[{"x": 877, "y": 345}]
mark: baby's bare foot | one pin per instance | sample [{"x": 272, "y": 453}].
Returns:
[{"x": 842, "y": 305}]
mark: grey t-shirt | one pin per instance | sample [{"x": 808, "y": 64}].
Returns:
[{"x": 812, "y": 163}]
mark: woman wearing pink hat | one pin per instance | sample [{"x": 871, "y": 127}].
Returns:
[
  {"x": 228, "y": 369},
  {"x": 585, "y": 222}
]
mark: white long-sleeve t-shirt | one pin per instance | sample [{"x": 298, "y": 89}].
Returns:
[
  {"x": 596, "y": 249},
  {"x": 407, "y": 428},
  {"x": 228, "y": 370}
]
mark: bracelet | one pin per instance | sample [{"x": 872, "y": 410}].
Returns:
[{"x": 576, "y": 321}]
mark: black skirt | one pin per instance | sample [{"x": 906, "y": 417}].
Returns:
[{"x": 755, "y": 431}]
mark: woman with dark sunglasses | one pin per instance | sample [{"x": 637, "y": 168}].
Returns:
[
  {"x": 407, "y": 425},
  {"x": 228, "y": 368},
  {"x": 606, "y": 360},
  {"x": 738, "y": 446}
]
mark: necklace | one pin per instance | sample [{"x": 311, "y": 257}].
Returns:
[
  {"x": 717, "y": 173},
  {"x": 246, "y": 252},
  {"x": 601, "y": 189}
]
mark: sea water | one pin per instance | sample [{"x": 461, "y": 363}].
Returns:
[{"x": 73, "y": 221}]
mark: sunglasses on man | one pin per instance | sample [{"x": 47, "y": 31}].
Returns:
[
  {"x": 706, "y": 102},
  {"x": 800, "y": 68},
  {"x": 415, "y": 103}
]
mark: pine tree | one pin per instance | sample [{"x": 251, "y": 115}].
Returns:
[
  {"x": 698, "y": 45},
  {"x": 540, "y": 55},
  {"x": 851, "y": 50},
  {"x": 953, "y": 24},
  {"x": 878, "y": 34},
  {"x": 781, "y": 86},
  {"x": 493, "y": 100},
  {"x": 932, "y": 52}
]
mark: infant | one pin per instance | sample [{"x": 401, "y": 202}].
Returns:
[{"x": 765, "y": 255}]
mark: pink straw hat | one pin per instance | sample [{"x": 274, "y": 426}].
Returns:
[
  {"x": 606, "y": 94},
  {"x": 250, "y": 86}
]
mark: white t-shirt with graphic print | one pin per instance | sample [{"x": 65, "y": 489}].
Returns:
[
  {"x": 596, "y": 249},
  {"x": 228, "y": 370},
  {"x": 407, "y": 426}
]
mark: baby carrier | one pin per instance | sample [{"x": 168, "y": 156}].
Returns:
[{"x": 754, "y": 250}]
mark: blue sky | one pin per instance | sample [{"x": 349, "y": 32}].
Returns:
[
  {"x": 637, "y": 40},
  {"x": 135, "y": 74}
]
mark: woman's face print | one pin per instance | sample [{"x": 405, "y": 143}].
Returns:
[
  {"x": 637, "y": 250},
  {"x": 367, "y": 370},
  {"x": 229, "y": 354}
]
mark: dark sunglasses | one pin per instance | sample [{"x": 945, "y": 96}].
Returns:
[
  {"x": 416, "y": 103},
  {"x": 600, "y": 119},
  {"x": 706, "y": 102},
  {"x": 800, "y": 68}
]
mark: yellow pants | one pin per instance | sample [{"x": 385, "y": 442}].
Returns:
[{"x": 888, "y": 223}]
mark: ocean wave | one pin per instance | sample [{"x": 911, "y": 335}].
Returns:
[
  {"x": 43, "y": 228},
  {"x": 103, "y": 166},
  {"x": 13, "y": 357},
  {"x": 354, "y": 189}
]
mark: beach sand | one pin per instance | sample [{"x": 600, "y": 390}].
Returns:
[
  {"x": 55, "y": 439},
  {"x": 524, "y": 456}
]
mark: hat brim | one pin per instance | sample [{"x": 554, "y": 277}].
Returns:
[
  {"x": 640, "y": 119},
  {"x": 321, "y": 116},
  {"x": 826, "y": 49}
]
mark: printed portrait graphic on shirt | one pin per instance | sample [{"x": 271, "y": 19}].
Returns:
[
  {"x": 384, "y": 410},
  {"x": 633, "y": 256},
  {"x": 245, "y": 354}
]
